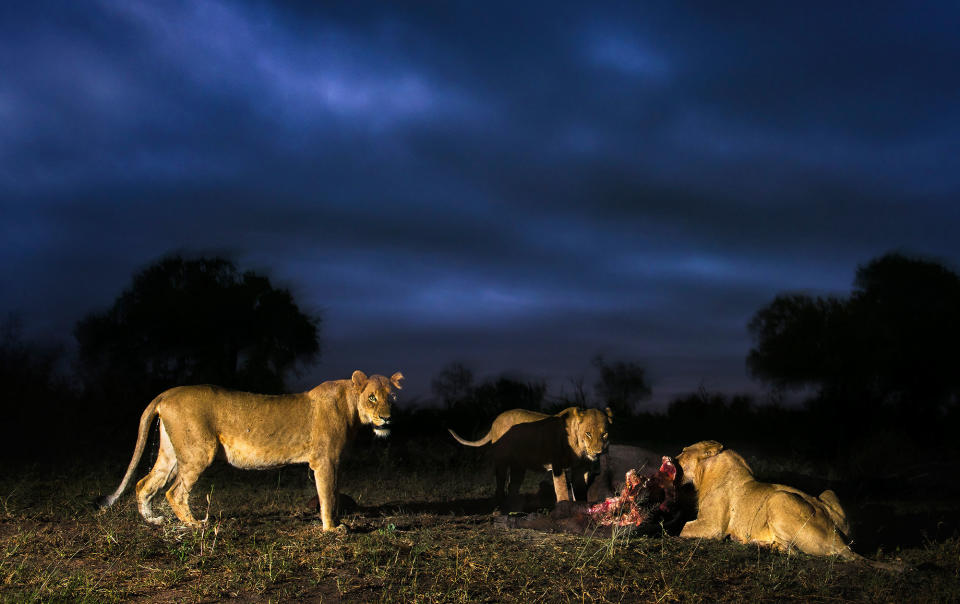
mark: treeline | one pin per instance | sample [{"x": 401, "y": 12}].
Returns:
[
  {"x": 46, "y": 413},
  {"x": 880, "y": 366},
  {"x": 816, "y": 429}
]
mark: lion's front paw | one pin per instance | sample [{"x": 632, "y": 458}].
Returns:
[
  {"x": 566, "y": 508},
  {"x": 697, "y": 529},
  {"x": 339, "y": 529}
]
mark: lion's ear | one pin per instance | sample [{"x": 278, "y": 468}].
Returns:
[
  {"x": 359, "y": 379},
  {"x": 711, "y": 448},
  {"x": 395, "y": 380},
  {"x": 609, "y": 413}
]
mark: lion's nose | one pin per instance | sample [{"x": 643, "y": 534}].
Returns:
[{"x": 384, "y": 420}]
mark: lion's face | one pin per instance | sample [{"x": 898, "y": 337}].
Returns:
[
  {"x": 692, "y": 459},
  {"x": 592, "y": 431},
  {"x": 375, "y": 396}
]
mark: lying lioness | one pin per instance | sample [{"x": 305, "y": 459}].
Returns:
[
  {"x": 731, "y": 502},
  {"x": 255, "y": 431},
  {"x": 527, "y": 440}
]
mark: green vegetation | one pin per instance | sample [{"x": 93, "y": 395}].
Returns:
[{"x": 422, "y": 532}]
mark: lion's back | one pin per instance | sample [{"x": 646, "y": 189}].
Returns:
[
  {"x": 190, "y": 401},
  {"x": 505, "y": 422},
  {"x": 533, "y": 443},
  {"x": 226, "y": 411},
  {"x": 212, "y": 398}
]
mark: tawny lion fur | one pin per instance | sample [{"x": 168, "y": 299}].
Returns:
[
  {"x": 732, "y": 502},
  {"x": 528, "y": 440},
  {"x": 255, "y": 431}
]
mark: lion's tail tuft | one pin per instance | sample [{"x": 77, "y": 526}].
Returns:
[
  {"x": 103, "y": 502},
  {"x": 146, "y": 420}
]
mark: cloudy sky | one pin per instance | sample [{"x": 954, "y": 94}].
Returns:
[{"x": 516, "y": 186}]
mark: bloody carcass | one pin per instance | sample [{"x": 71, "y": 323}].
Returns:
[{"x": 646, "y": 500}]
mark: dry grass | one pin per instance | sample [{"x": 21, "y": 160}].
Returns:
[{"x": 422, "y": 534}]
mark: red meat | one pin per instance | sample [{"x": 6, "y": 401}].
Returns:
[{"x": 640, "y": 497}]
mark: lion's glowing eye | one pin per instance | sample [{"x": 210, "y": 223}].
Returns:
[
  {"x": 372, "y": 398},
  {"x": 588, "y": 435}
]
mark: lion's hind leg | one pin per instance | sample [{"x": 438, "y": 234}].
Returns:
[
  {"x": 178, "y": 496},
  {"x": 797, "y": 523},
  {"x": 517, "y": 472},
  {"x": 164, "y": 470},
  {"x": 188, "y": 471},
  {"x": 500, "y": 494}
]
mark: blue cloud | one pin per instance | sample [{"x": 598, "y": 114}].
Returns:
[{"x": 519, "y": 185}]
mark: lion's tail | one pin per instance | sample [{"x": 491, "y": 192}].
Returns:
[
  {"x": 895, "y": 567},
  {"x": 146, "y": 420},
  {"x": 471, "y": 443}
]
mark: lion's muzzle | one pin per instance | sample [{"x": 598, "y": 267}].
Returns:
[
  {"x": 382, "y": 427},
  {"x": 594, "y": 455}
]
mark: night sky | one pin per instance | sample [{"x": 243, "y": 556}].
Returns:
[{"x": 516, "y": 187}]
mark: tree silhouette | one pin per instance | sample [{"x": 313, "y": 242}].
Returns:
[
  {"x": 39, "y": 407},
  {"x": 800, "y": 341},
  {"x": 621, "y": 385},
  {"x": 507, "y": 392},
  {"x": 471, "y": 407},
  {"x": 893, "y": 341},
  {"x": 25, "y": 369},
  {"x": 194, "y": 321},
  {"x": 453, "y": 385}
]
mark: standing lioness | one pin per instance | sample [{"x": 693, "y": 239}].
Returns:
[
  {"x": 530, "y": 440},
  {"x": 256, "y": 431}
]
